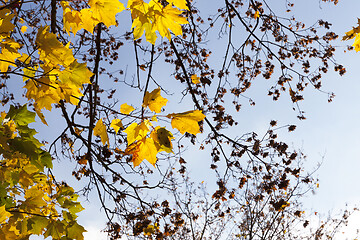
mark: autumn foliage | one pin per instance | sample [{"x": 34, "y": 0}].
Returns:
[{"x": 69, "y": 59}]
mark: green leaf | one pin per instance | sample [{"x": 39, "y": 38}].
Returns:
[
  {"x": 25, "y": 146},
  {"x": 55, "y": 229},
  {"x": 74, "y": 207},
  {"x": 21, "y": 116},
  {"x": 38, "y": 224},
  {"x": 26, "y": 132},
  {"x": 46, "y": 159},
  {"x": 76, "y": 232}
]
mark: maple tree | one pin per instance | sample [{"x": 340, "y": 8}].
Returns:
[{"x": 70, "y": 56}]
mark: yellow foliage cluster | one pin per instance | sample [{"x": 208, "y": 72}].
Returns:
[
  {"x": 151, "y": 17},
  {"x": 53, "y": 75},
  {"x": 144, "y": 140}
]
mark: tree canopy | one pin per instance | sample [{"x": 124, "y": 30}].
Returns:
[{"x": 152, "y": 80}]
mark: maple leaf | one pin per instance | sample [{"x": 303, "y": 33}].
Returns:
[
  {"x": 142, "y": 20},
  {"x": 151, "y": 17},
  {"x": 106, "y": 10},
  {"x": 186, "y": 121},
  {"x": 71, "y": 18},
  {"x": 4, "y": 215},
  {"x": 51, "y": 50},
  {"x": 71, "y": 82},
  {"x": 100, "y": 130},
  {"x": 76, "y": 74},
  {"x": 142, "y": 149},
  {"x": 162, "y": 138},
  {"x": 154, "y": 100},
  {"x": 70, "y": 93},
  {"x": 356, "y": 43},
  {"x": 126, "y": 109},
  {"x": 137, "y": 132},
  {"x": 167, "y": 19},
  {"x": 21, "y": 116},
  {"x": 6, "y": 25},
  {"x": 116, "y": 124},
  {"x": 43, "y": 94},
  {"x": 34, "y": 200},
  {"x": 9, "y": 52},
  {"x": 76, "y": 231},
  {"x": 352, "y": 33},
  {"x": 55, "y": 229},
  {"x": 38, "y": 223}
]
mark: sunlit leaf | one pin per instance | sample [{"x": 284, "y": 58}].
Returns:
[
  {"x": 137, "y": 132},
  {"x": 356, "y": 43},
  {"x": 154, "y": 100},
  {"x": 116, "y": 124},
  {"x": 100, "y": 131},
  {"x": 126, "y": 109},
  {"x": 4, "y": 215},
  {"x": 21, "y": 115},
  {"x": 106, "y": 10},
  {"x": 151, "y": 17},
  {"x": 187, "y": 121},
  {"x": 51, "y": 50},
  {"x": 71, "y": 18},
  {"x": 143, "y": 149}
]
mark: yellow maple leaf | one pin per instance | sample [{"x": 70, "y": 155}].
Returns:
[
  {"x": 142, "y": 20},
  {"x": 126, "y": 109},
  {"x": 87, "y": 21},
  {"x": 69, "y": 92},
  {"x": 26, "y": 59},
  {"x": 137, "y": 132},
  {"x": 9, "y": 52},
  {"x": 6, "y": 25},
  {"x": 75, "y": 74},
  {"x": 357, "y": 43},
  {"x": 7, "y": 58},
  {"x": 40, "y": 115},
  {"x": 154, "y": 100},
  {"x": 43, "y": 94},
  {"x": 168, "y": 19},
  {"x": 142, "y": 149},
  {"x": 151, "y": 17},
  {"x": 4, "y": 215},
  {"x": 186, "y": 121},
  {"x": 352, "y": 33},
  {"x": 162, "y": 139},
  {"x": 100, "y": 130},
  {"x": 116, "y": 124},
  {"x": 195, "y": 79},
  {"x": 71, "y": 18},
  {"x": 34, "y": 199},
  {"x": 51, "y": 50},
  {"x": 106, "y": 10}
]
